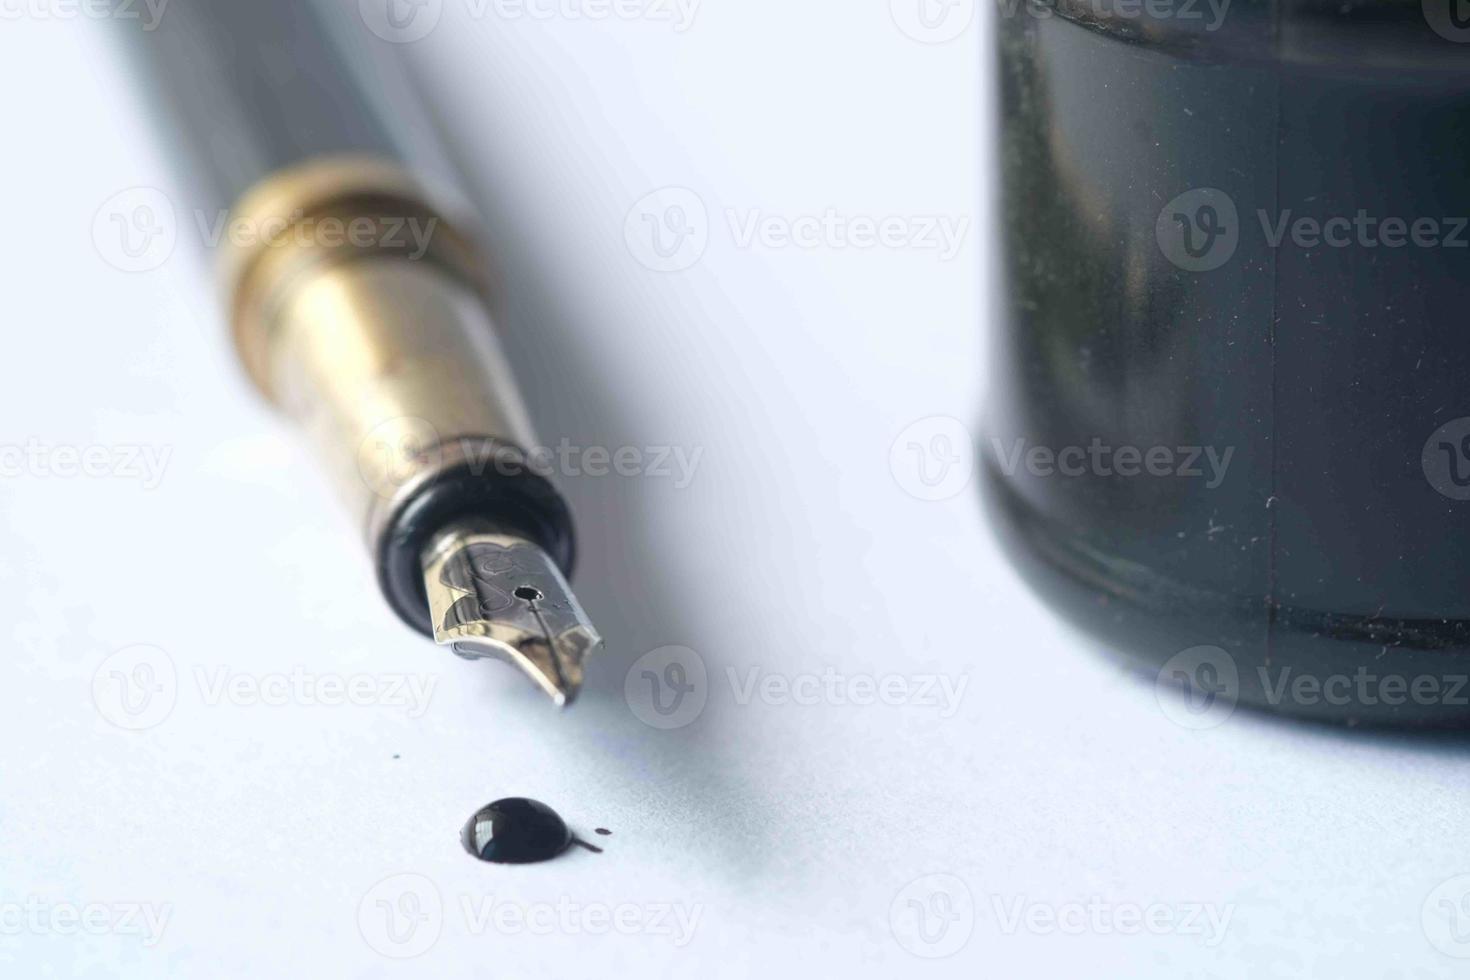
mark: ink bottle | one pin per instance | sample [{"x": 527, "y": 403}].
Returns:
[{"x": 1228, "y": 428}]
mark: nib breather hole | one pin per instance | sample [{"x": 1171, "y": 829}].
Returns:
[{"x": 529, "y": 593}]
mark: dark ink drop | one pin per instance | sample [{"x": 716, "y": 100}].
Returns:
[
  {"x": 603, "y": 831},
  {"x": 516, "y": 831}
]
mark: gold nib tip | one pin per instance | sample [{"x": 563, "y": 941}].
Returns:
[{"x": 501, "y": 597}]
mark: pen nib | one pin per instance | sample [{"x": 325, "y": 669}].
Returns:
[{"x": 499, "y": 596}]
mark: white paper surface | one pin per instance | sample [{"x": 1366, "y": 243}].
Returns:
[{"x": 1043, "y": 804}]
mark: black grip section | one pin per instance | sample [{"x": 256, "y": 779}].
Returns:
[{"x": 523, "y": 504}]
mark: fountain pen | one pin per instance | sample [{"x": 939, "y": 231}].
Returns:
[{"x": 358, "y": 306}]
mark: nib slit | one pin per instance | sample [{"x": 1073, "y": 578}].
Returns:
[{"x": 551, "y": 646}]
